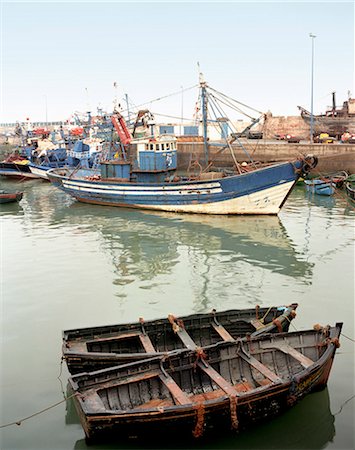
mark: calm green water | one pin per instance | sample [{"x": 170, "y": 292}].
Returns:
[{"x": 68, "y": 265}]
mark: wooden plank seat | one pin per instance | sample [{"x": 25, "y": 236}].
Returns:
[
  {"x": 287, "y": 349},
  {"x": 182, "y": 333},
  {"x": 179, "y": 395},
  {"x": 223, "y": 333},
  {"x": 260, "y": 367},
  {"x": 147, "y": 343}
]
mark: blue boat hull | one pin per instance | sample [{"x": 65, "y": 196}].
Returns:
[
  {"x": 319, "y": 187},
  {"x": 262, "y": 191}
]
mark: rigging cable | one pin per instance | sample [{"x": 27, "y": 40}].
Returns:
[
  {"x": 236, "y": 101},
  {"x": 166, "y": 96},
  {"x": 239, "y": 143}
]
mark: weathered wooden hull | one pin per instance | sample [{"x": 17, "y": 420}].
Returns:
[
  {"x": 10, "y": 197},
  {"x": 228, "y": 386},
  {"x": 95, "y": 348},
  {"x": 330, "y": 124},
  {"x": 350, "y": 190},
  {"x": 262, "y": 191}
]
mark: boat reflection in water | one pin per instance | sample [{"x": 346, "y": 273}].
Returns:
[
  {"x": 310, "y": 425},
  {"x": 145, "y": 249},
  {"x": 146, "y": 244},
  {"x": 321, "y": 200}
]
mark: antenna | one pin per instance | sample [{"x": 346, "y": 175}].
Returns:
[
  {"x": 87, "y": 99},
  {"x": 115, "y": 101},
  {"x": 200, "y": 74}
]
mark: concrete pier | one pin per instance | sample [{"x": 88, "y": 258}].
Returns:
[{"x": 332, "y": 157}]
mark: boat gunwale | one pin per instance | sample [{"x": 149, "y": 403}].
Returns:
[{"x": 69, "y": 177}]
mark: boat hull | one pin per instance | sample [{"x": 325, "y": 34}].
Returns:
[
  {"x": 16, "y": 171},
  {"x": 350, "y": 190},
  {"x": 230, "y": 386},
  {"x": 95, "y": 348},
  {"x": 39, "y": 171},
  {"x": 7, "y": 197},
  {"x": 262, "y": 191},
  {"x": 320, "y": 187}
]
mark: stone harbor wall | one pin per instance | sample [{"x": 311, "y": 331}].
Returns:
[{"x": 332, "y": 157}]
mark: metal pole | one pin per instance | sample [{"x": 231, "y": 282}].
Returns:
[
  {"x": 45, "y": 104},
  {"x": 128, "y": 112},
  {"x": 182, "y": 110},
  {"x": 204, "y": 118},
  {"x": 312, "y": 36}
]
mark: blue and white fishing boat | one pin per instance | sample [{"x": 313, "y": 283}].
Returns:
[
  {"x": 143, "y": 176},
  {"x": 78, "y": 156}
]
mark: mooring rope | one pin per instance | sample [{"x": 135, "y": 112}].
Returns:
[
  {"x": 19, "y": 422},
  {"x": 342, "y": 406},
  {"x": 347, "y": 337},
  {"x": 290, "y": 322}
]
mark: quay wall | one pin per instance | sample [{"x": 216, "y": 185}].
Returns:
[{"x": 331, "y": 157}]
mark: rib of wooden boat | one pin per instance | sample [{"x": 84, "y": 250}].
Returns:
[
  {"x": 88, "y": 349},
  {"x": 229, "y": 385}
]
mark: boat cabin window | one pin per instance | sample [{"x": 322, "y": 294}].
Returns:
[
  {"x": 168, "y": 146},
  {"x": 151, "y": 146},
  {"x": 146, "y": 146},
  {"x": 162, "y": 146}
]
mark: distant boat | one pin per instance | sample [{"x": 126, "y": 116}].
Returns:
[
  {"x": 144, "y": 176},
  {"x": 88, "y": 349},
  {"x": 16, "y": 167},
  {"x": 224, "y": 387},
  {"x": 350, "y": 187},
  {"x": 326, "y": 184},
  {"x": 71, "y": 159},
  {"x": 320, "y": 187},
  {"x": 10, "y": 197},
  {"x": 335, "y": 121}
]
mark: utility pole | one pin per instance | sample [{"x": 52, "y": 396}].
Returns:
[{"x": 312, "y": 36}]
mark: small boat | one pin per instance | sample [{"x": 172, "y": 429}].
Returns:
[
  {"x": 72, "y": 159},
  {"x": 350, "y": 187},
  {"x": 326, "y": 184},
  {"x": 88, "y": 349},
  {"x": 16, "y": 168},
  {"x": 227, "y": 386},
  {"x": 320, "y": 187},
  {"x": 10, "y": 197}
]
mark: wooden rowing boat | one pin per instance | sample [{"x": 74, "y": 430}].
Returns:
[
  {"x": 87, "y": 349},
  {"x": 229, "y": 385}
]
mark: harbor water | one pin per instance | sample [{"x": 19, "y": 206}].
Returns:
[{"x": 68, "y": 265}]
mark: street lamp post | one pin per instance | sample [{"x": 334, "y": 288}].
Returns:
[
  {"x": 45, "y": 106},
  {"x": 312, "y": 36},
  {"x": 182, "y": 110}
]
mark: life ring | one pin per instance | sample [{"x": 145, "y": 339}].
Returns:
[{"x": 309, "y": 163}]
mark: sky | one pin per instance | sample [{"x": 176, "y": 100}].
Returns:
[{"x": 58, "y": 58}]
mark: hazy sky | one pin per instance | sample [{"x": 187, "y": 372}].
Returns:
[{"x": 61, "y": 57}]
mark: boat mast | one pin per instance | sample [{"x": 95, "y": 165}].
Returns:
[{"x": 204, "y": 102}]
